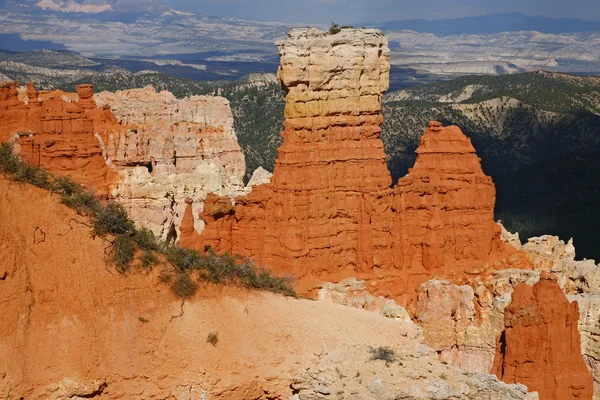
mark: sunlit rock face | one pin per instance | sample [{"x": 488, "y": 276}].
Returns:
[
  {"x": 329, "y": 211},
  {"x": 56, "y": 131},
  {"x": 173, "y": 150},
  {"x": 147, "y": 150}
]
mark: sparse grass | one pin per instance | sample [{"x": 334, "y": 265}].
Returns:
[
  {"x": 227, "y": 269},
  {"x": 111, "y": 222},
  {"x": 213, "y": 338},
  {"x": 383, "y": 353},
  {"x": 148, "y": 259}
]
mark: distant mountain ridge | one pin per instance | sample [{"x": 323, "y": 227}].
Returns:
[
  {"x": 493, "y": 23},
  {"x": 86, "y": 6}
]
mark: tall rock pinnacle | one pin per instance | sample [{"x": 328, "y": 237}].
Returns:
[{"x": 329, "y": 211}]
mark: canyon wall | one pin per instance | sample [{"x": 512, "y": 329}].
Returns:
[
  {"x": 329, "y": 212},
  {"x": 147, "y": 150}
]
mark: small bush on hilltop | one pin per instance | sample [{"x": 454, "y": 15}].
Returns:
[
  {"x": 112, "y": 223},
  {"x": 336, "y": 28}
]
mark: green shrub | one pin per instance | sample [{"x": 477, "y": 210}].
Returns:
[
  {"x": 33, "y": 175},
  {"x": 123, "y": 251},
  {"x": 83, "y": 202},
  {"x": 146, "y": 240},
  {"x": 148, "y": 259},
  {"x": 8, "y": 161},
  {"x": 334, "y": 28},
  {"x": 183, "y": 286},
  {"x": 113, "y": 220},
  {"x": 183, "y": 259}
]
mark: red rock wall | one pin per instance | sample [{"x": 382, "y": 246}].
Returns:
[
  {"x": 57, "y": 133},
  {"x": 329, "y": 211},
  {"x": 540, "y": 346}
]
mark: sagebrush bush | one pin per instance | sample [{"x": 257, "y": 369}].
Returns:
[
  {"x": 183, "y": 259},
  {"x": 123, "y": 251},
  {"x": 183, "y": 285},
  {"x": 146, "y": 240},
  {"x": 213, "y": 338},
  {"x": 8, "y": 161},
  {"x": 383, "y": 353},
  {"x": 113, "y": 220},
  {"x": 148, "y": 259},
  {"x": 34, "y": 175}
]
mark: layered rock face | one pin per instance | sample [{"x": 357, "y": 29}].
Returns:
[
  {"x": 173, "y": 150},
  {"x": 54, "y": 132},
  {"x": 540, "y": 346},
  {"x": 315, "y": 211},
  {"x": 147, "y": 150},
  {"x": 328, "y": 211}
]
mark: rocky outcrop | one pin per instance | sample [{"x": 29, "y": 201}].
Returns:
[
  {"x": 462, "y": 322},
  {"x": 329, "y": 212},
  {"x": 59, "y": 135},
  {"x": 540, "y": 346},
  {"x": 353, "y": 293},
  {"x": 72, "y": 328},
  {"x": 461, "y": 334},
  {"x": 173, "y": 150},
  {"x": 397, "y": 373},
  {"x": 147, "y": 150}
]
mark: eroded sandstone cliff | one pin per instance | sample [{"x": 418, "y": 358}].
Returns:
[
  {"x": 329, "y": 211},
  {"x": 173, "y": 150},
  {"x": 147, "y": 150},
  {"x": 54, "y": 132}
]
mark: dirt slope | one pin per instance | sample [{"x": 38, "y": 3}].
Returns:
[{"x": 70, "y": 326}]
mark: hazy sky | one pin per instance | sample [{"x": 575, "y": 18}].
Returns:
[{"x": 356, "y": 11}]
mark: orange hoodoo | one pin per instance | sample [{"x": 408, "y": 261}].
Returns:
[
  {"x": 329, "y": 212},
  {"x": 540, "y": 346},
  {"x": 55, "y": 130}
]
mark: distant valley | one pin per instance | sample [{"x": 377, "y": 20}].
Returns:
[{"x": 422, "y": 51}]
